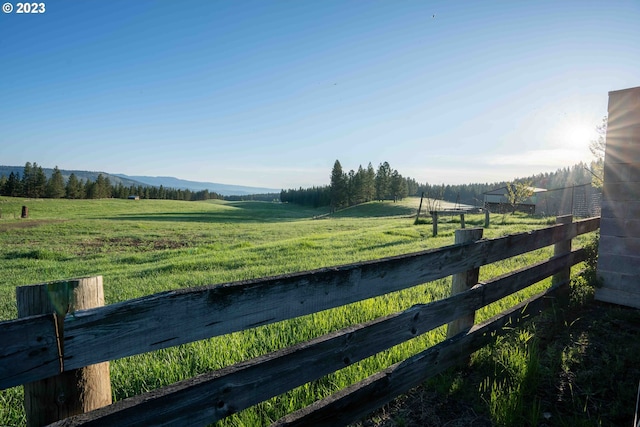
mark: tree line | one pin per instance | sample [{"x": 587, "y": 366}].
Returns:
[
  {"x": 385, "y": 183},
  {"x": 473, "y": 194},
  {"x": 346, "y": 188},
  {"x": 354, "y": 187},
  {"x": 34, "y": 184}
]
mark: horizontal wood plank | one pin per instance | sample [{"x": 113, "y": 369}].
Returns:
[
  {"x": 245, "y": 384},
  {"x": 354, "y": 402},
  {"x": 29, "y": 350},
  {"x": 181, "y": 316},
  {"x": 517, "y": 280}
]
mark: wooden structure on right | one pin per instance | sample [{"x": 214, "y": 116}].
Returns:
[{"x": 619, "y": 248}]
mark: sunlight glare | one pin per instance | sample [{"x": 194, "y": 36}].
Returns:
[{"x": 576, "y": 134}]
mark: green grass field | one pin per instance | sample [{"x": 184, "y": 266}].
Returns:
[{"x": 148, "y": 246}]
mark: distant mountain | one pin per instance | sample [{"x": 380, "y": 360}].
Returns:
[
  {"x": 150, "y": 181},
  {"x": 83, "y": 175},
  {"x": 182, "y": 184}
]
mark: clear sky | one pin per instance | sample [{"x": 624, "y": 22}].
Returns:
[{"x": 270, "y": 93}]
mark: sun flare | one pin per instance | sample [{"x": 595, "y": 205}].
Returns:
[{"x": 576, "y": 134}]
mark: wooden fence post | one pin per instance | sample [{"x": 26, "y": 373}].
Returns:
[
  {"x": 486, "y": 218},
  {"x": 463, "y": 281},
  {"x": 434, "y": 220},
  {"x": 75, "y": 391},
  {"x": 562, "y": 248},
  {"x": 419, "y": 207}
]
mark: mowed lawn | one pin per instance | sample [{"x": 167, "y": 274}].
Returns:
[{"x": 148, "y": 246}]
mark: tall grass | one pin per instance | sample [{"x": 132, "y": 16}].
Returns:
[
  {"x": 147, "y": 246},
  {"x": 508, "y": 390}
]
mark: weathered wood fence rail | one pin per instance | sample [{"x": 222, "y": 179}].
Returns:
[{"x": 42, "y": 346}]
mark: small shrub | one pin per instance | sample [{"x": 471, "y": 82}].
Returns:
[{"x": 583, "y": 286}]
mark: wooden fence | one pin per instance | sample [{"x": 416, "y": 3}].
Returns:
[{"x": 42, "y": 346}]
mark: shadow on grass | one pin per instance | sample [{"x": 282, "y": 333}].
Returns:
[
  {"x": 584, "y": 370},
  {"x": 38, "y": 254},
  {"x": 266, "y": 212},
  {"x": 375, "y": 209},
  {"x": 229, "y": 213}
]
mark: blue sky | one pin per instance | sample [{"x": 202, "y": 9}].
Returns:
[{"x": 270, "y": 93}]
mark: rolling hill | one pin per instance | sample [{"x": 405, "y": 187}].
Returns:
[
  {"x": 165, "y": 181},
  {"x": 223, "y": 189}
]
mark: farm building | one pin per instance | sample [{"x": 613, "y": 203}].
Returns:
[
  {"x": 578, "y": 200},
  {"x": 496, "y": 200}
]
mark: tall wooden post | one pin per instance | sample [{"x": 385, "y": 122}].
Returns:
[
  {"x": 464, "y": 281},
  {"x": 486, "y": 218},
  {"x": 562, "y": 248},
  {"x": 419, "y": 207},
  {"x": 72, "y": 392},
  {"x": 434, "y": 220}
]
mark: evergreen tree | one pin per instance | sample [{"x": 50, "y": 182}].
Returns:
[
  {"x": 339, "y": 196},
  {"x": 27, "y": 180},
  {"x": 315, "y": 196},
  {"x": 74, "y": 188},
  {"x": 34, "y": 181},
  {"x": 90, "y": 190},
  {"x": 351, "y": 190},
  {"x": 412, "y": 187},
  {"x": 55, "y": 186},
  {"x": 39, "y": 181},
  {"x": 398, "y": 186},
  {"x": 383, "y": 181},
  {"x": 120, "y": 191},
  {"x": 358, "y": 186},
  {"x": 100, "y": 189},
  {"x": 369, "y": 185},
  {"x": 13, "y": 186}
]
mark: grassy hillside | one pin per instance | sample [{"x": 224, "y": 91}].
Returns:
[{"x": 147, "y": 246}]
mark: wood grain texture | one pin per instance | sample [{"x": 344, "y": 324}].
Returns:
[
  {"x": 562, "y": 247},
  {"x": 245, "y": 384},
  {"x": 464, "y": 281},
  {"x": 29, "y": 350},
  {"x": 71, "y": 391},
  {"x": 354, "y": 402},
  {"x": 213, "y": 396}
]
